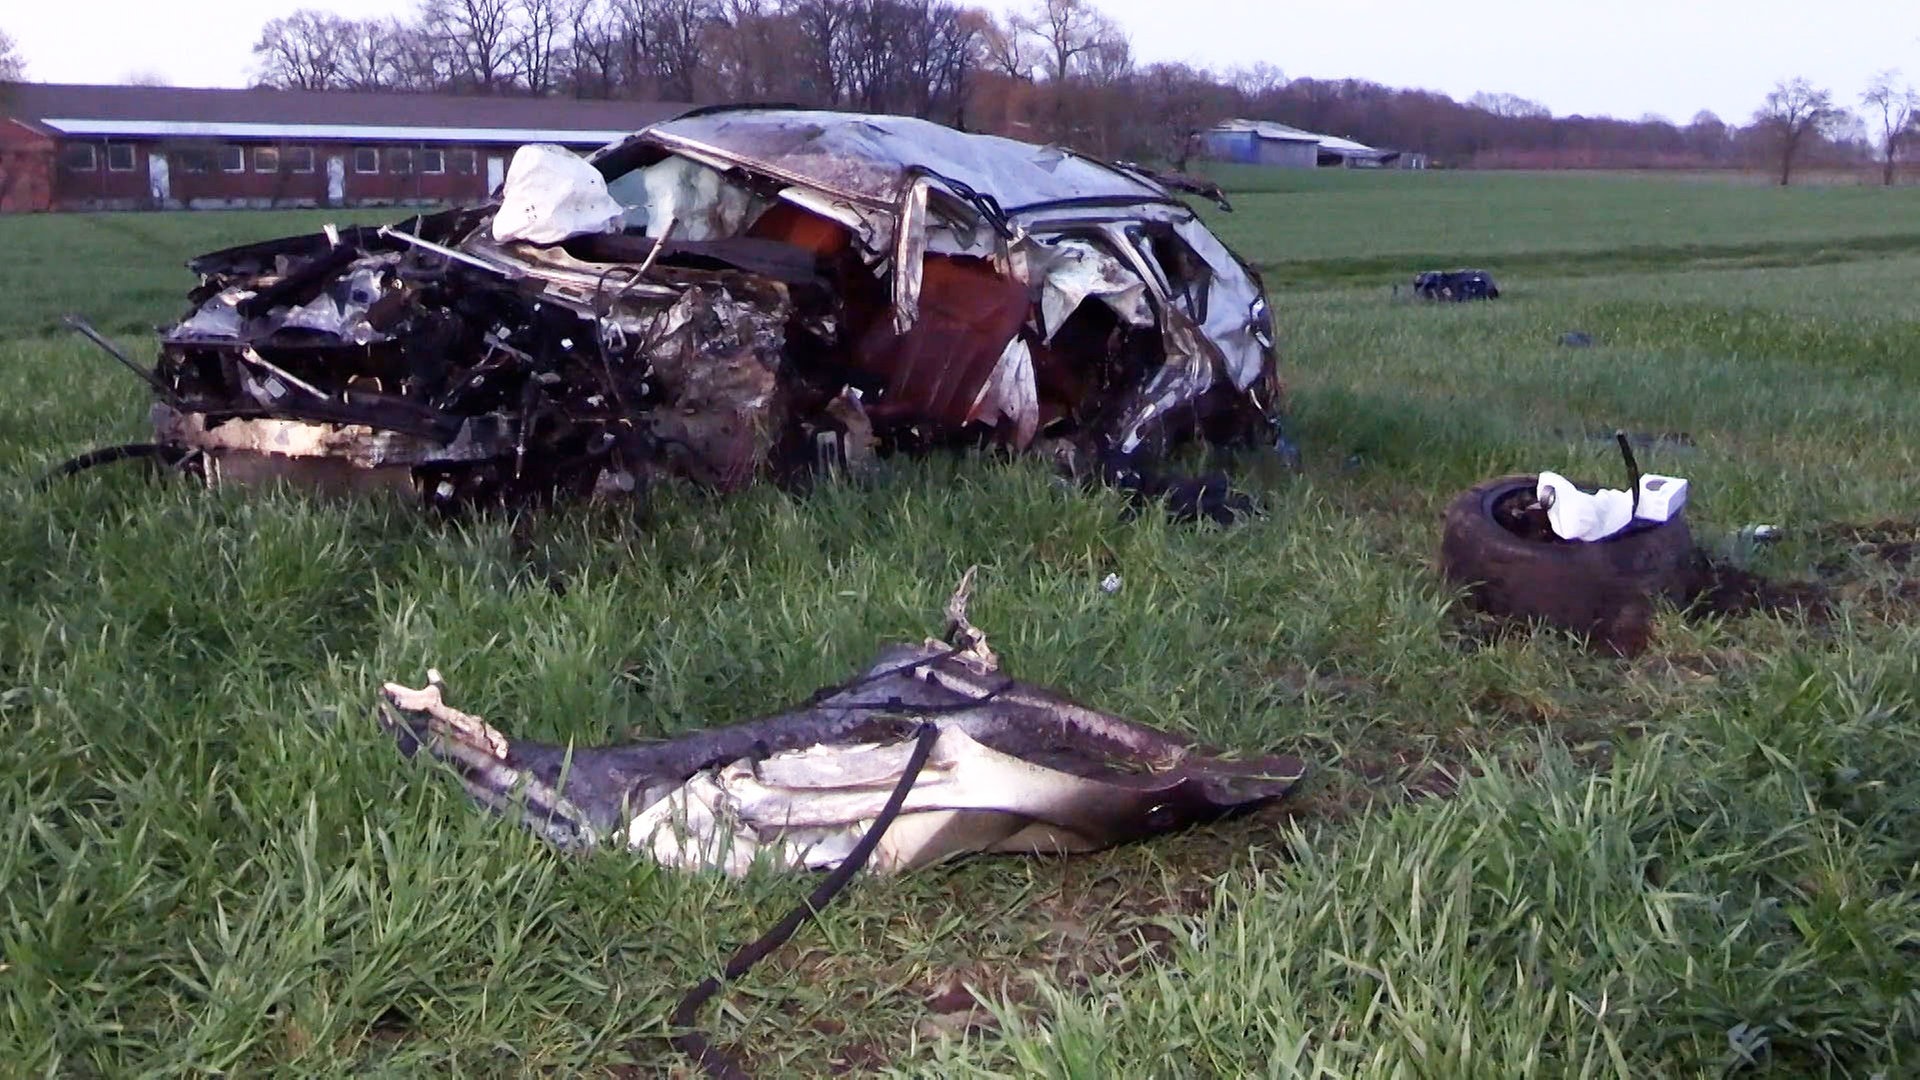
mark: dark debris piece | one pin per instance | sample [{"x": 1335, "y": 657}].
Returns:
[
  {"x": 1185, "y": 498},
  {"x": 1456, "y": 285}
]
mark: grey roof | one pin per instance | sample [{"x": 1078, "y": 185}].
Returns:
[
  {"x": 144, "y": 109},
  {"x": 1269, "y": 129},
  {"x": 870, "y": 157}
]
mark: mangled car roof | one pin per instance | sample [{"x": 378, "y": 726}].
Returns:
[{"x": 871, "y": 158}]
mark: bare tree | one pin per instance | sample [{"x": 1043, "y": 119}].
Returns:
[
  {"x": 662, "y": 45},
  {"x": 1070, "y": 33},
  {"x": 13, "y": 66},
  {"x": 820, "y": 62},
  {"x": 1793, "y": 111},
  {"x": 473, "y": 38},
  {"x": 751, "y": 50},
  {"x": 1007, "y": 48},
  {"x": 1898, "y": 110},
  {"x": 1510, "y": 106},
  {"x": 1177, "y": 102},
  {"x": 370, "y": 54},
  {"x": 593, "y": 50},
  {"x": 301, "y": 51},
  {"x": 535, "y": 41},
  {"x": 1257, "y": 81},
  {"x": 1708, "y": 136}
]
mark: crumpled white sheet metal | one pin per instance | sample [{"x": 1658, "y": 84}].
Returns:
[
  {"x": 1011, "y": 392},
  {"x": 872, "y": 157},
  {"x": 808, "y": 808},
  {"x": 218, "y": 317},
  {"x": 553, "y": 194},
  {"x": 1232, "y": 296},
  {"x": 1076, "y": 270}
]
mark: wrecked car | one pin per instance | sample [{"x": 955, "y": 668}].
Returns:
[{"x": 734, "y": 295}]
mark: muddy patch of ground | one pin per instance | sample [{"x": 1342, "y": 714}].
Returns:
[{"x": 1730, "y": 591}]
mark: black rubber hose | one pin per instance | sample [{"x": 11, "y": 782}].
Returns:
[
  {"x": 1633, "y": 468},
  {"x": 106, "y": 455},
  {"x": 694, "y": 1042}
]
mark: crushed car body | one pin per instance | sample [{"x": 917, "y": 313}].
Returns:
[
  {"x": 734, "y": 295},
  {"x": 1013, "y": 768}
]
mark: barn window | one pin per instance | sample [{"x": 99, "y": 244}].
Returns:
[
  {"x": 466, "y": 162},
  {"x": 79, "y": 157},
  {"x": 192, "y": 161},
  {"x": 366, "y": 160},
  {"x": 266, "y": 159},
  {"x": 300, "y": 159},
  {"x": 120, "y": 157},
  {"x": 233, "y": 159},
  {"x": 433, "y": 162}
]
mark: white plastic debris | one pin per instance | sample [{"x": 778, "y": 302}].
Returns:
[
  {"x": 1661, "y": 497},
  {"x": 1576, "y": 515},
  {"x": 1110, "y": 584},
  {"x": 553, "y": 194}
]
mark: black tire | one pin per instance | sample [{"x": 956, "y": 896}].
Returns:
[{"x": 1604, "y": 590}]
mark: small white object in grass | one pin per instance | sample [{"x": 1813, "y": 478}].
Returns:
[{"x": 1110, "y": 583}]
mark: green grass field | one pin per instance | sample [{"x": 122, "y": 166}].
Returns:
[{"x": 1513, "y": 858}]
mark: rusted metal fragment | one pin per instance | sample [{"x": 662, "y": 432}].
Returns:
[{"x": 938, "y": 369}]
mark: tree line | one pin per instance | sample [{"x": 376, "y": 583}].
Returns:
[{"x": 1059, "y": 71}]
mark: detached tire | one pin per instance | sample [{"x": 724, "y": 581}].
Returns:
[{"x": 1604, "y": 590}]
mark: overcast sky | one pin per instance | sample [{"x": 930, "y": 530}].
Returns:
[{"x": 1615, "y": 57}]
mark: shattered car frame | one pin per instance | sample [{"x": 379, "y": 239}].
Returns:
[{"x": 783, "y": 290}]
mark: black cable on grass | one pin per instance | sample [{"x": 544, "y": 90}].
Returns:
[
  {"x": 694, "y": 1042},
  {"x": 106, "y": 455}
]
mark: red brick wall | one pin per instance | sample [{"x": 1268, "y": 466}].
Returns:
[
  {"x": 26, "y": 163},
  {"x": 99, "y": 185}
]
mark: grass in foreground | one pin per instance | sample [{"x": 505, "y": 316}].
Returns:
[{"x": 1700, "y": 860}]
